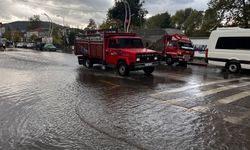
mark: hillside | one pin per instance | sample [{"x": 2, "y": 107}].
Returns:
[{"x": 23, "y": 25}]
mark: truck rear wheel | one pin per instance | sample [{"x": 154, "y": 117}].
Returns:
[
  {"x": 183, "y": 63},
  {"x": 88, "y": 63},
  {"x": 122, "y": 69},
  {"x": 148, "y": 70}
]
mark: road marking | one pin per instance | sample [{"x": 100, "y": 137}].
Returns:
[
  {"x": 210, "y": 92},
  {"x": 237, "y": 120},
  {"x": 234, "y": 98},
  {"x": 109, "y": 83},
  {"x": 196, "y": 86}
]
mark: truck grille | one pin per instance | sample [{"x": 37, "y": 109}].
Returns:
[{"x": 147, "y": 57}]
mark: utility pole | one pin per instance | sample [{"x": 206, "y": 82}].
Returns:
[
  {"x": 127, "y": 19},
  {"x": 51, "y": 24},
  {"x": 64, "y": 35}
]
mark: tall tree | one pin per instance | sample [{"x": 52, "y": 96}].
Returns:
[
  {"x": 159, "y": 21},
  {"x": 189, "y": 20},
  {"x": 34, "y": 22},
  {"x": 117, "y": 12},
  {"x": 92, "y": 25},
  {"x": 210, "y": 20},
  {"x": 232, "y": 12}
]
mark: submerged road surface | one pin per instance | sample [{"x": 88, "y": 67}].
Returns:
[{"x": 49, "y": 102}]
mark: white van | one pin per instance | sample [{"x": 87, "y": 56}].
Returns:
[{"x": 230, "y": 47}]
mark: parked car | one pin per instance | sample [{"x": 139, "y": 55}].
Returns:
[
  {"x": 49, "y": 47},
  {"x": 30, "y": 45},
  {"x": 20, "y": 45}
]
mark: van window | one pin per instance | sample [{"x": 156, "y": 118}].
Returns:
[{"x": 233, "y": 43}]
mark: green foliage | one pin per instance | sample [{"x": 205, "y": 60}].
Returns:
[
  {"x": 33, "y": 38},
  {"x": 210, "y": 20},
  {"x": 118, "y": 13},
  {"x": 92, "y": 25},
  {"x": 111, "y": 24},
  {"x": 159, "y": 21},
  {"x": 15, "y": 36},
  {"x": 232, "y": 12},
  {"x": 35, "y": 22},
  {"x": 188, "y": 20}
]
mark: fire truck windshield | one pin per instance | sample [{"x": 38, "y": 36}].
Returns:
[
  {"x": 130, "y": 43},
  {"x": 185, "y": 46}
]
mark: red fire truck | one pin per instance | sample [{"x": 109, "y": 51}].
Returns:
[
  {"x": 123, "y": 51},
  {"x": 174, "y": 45}
]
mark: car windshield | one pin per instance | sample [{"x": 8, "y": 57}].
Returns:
[
  {"x": 185, "y": 46},
  {"x": 129, "y": 43}
]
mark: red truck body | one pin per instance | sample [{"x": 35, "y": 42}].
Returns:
[
  {"x": 123, "y": 51},
  {"x": 177, "y": 48},
  {"x": 172, "y": 43}
]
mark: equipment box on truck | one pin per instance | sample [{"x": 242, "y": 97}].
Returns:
[
  {"x": 123, "y": 51},
  {"x": 174, "y": 45},
  {"x": 230, "y": 48}
]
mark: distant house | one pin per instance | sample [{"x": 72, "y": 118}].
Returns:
[{"x": 39, "y": 32}]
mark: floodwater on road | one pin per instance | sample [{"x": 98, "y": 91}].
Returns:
[{"x": 48, "y": 101}]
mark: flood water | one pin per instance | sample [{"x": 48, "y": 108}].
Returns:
[{"x": 49, "y": 102}]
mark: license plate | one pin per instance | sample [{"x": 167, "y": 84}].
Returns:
[{"x": 148, "y": 64}]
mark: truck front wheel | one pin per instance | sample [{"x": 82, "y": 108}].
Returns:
[
  {"x": 148, "y": 70},
  {"x": 169, "y": 60},
  {"x": 122, "y": 69},
  {"x": 88, "y": 63}
]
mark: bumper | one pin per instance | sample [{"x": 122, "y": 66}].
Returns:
[{"x": 139, "y": 66}]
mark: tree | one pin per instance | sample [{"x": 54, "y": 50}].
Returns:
[
  {"x": 117, "y": 12},
  {"x": 33, "y": 38},
  {"x": 232, "y": 12},
  {"x": 35, "y": 22},
  {"x": 189, "y": 20},
  {"x": 210, "y": 20},
  {"x": 92, "y": 25},
  {"x": 159, "y": 21},
  {"x": 110, "y": 24}
]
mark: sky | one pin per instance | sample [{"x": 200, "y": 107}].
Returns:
[{"x": 76, "y": 13}]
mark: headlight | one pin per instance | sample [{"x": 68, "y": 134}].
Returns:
[
  {"x": 138, "y": 59},
  {"x": 156, "y": 58}
]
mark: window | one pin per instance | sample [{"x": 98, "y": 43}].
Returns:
[
  {"x": 130, "y": 43},
  {"x": 113, "y": 43},
  {"x": 242, "y": 43},
  {"x": 172, "y": 44}
]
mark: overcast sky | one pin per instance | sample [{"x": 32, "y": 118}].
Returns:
[{"x": 77, "y": 12}]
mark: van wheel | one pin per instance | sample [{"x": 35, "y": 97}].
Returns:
[
  {"x": 88, "y": 63},
  {"x": 122, "y": 69},
  {"x": 233, "y": 67},
  {"x": 148, "y": 70}
]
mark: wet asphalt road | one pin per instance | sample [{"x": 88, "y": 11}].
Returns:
[{"x": 48, "y": 101}]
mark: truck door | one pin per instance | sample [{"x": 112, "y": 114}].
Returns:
[
  {"x": 111, "y": 52},
  {"x": 171, "y": 48}
]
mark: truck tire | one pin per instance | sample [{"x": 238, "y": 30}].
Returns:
[
  {"x": 88, "y": 63},
  {"x": 183, "y": 63},
  {"x": 122, "y": 69},
  {"x": 148, "y": 70},
  {"x": 233, "y": 66},
  {"x": 169, "y": 60}
]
